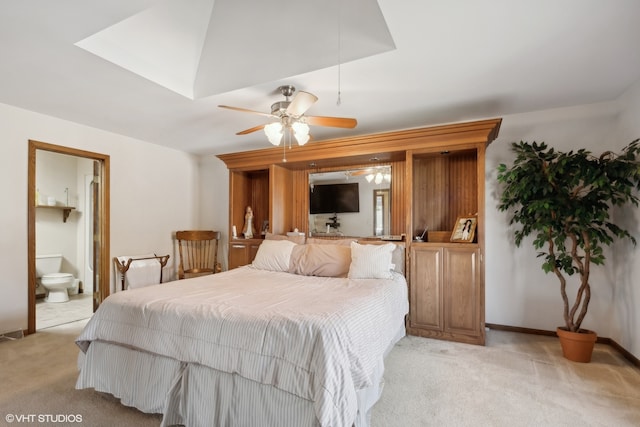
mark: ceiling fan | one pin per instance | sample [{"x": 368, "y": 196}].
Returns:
[{"x": 290, "y": 117}]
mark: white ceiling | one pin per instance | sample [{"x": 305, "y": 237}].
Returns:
[{"x": 404, "y": 63}]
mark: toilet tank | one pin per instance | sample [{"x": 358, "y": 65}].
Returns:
[{"x": 47, "y": 264}]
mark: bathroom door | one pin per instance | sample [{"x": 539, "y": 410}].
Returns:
[
  {"x": 97, "y": 234},
  {"x": 89, "y": 286}
]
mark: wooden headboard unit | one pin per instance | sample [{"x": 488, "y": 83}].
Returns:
[{"x": 438, "y": 175}]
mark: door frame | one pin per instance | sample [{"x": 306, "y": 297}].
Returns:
[{"x": 104, "y": 270}]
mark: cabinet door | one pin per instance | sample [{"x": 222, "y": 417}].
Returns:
[
  {"x": 242, "y": 253},
  {"x": 238, "y": 255},
  {"x": 462, "y": 298},
  {"x": 426, "y": 310}
]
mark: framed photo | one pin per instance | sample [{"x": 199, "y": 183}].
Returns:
[
  {"x": 265, "y": 227},
  {"x": 465, "y": 229}
]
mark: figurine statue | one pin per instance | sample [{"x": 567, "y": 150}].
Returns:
[{"x": 248, "y": 229}]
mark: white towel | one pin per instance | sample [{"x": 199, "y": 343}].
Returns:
[{"x": 141, "y": 272}]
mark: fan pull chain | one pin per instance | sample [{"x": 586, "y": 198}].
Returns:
[{"x": 339, "y": 100}]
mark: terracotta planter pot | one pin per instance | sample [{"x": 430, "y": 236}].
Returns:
[{"x": 577, "y": 346}]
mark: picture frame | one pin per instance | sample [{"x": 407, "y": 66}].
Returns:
[
  {"x": 265, "y": 227},
  {"x": 465, "y": 229}
]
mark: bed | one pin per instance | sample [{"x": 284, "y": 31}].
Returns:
[{"x": 267, "y": 344}]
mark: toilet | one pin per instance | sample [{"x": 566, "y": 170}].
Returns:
[{"x": 55, "y": 282}]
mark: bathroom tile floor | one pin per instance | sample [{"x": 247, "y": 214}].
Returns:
[{"x": 50, "y": 314}]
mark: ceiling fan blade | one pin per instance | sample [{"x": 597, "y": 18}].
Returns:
[
  {"x": 250, "y": 130},
  {"x": 244, "y": 110},
  {"x": 301, "y": 103},
  {"x": 336, "y": 122}
]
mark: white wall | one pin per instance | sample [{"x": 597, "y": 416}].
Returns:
[
  {"x": 214, "y": 201},
  {"x": 153, "y": 193},
  {"x": 518, "y": 292},
  {"x": 626, "y": 295}
]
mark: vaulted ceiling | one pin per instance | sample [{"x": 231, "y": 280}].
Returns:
[{"x": 157, "y": 70}]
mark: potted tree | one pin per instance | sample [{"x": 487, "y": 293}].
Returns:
[{"x": 564, "y": 200}]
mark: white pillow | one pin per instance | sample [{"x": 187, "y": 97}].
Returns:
[
  {"x": 371, "y": 261},
  {"x": 273, "y": 255}
]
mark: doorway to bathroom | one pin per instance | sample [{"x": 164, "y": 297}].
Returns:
[{"x": 68, "y": 220}]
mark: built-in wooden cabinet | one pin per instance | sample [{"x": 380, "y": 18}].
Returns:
[
  {"x": 438, "y": 174},
  {"x": 268, "y": 191},
  {"x": 447, "y": 279},
  {"x": 446, "y": 299},
  {"x": 248, "y": 188},
  {"x": 242, "y": 252}
]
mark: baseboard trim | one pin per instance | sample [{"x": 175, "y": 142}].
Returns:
[
  {"x": 12, "y": 335},
  {"x": 601, "y": 340}
]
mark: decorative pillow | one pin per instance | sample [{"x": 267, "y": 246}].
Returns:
[
  {"x": 274, "y": 255},
  {"x": 296, "y": 255},
  {"x": 295, "y": 239},
  {"x": 321, "y": 260},
  {"x": 371, "y": 261}
]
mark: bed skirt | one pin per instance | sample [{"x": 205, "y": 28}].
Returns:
[{"x": 196, "y": 395}]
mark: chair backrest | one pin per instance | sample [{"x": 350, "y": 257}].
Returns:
[{"x": 198, "y": 251}]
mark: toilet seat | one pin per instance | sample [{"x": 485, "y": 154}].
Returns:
[{"x": 56, "y": 278}]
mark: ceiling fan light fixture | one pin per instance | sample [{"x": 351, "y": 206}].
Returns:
[
  {"x": 291, "y": 121},
  {"x": 300, "y": 132},
  {"x": 302, "y": 139},
  {"x": 274, "y": 132}
]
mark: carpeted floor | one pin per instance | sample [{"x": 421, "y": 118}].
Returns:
[{"x": 516, "y": 380}]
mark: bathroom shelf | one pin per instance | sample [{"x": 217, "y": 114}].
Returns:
[{"x": 66, "y": 210}]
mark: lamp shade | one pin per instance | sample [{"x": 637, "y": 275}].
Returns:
[
  {"x": 274, "y": 132},
  {"x": 300, "y": 132},
  {"x": 302, "y": 138}
]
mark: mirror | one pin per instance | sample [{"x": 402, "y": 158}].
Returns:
[{"x": 351, "y": 202}]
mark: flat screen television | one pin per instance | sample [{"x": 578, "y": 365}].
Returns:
[{"x": 334, "y": 198}]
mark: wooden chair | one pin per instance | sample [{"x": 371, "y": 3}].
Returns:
[{"x": 198, "y": 251}]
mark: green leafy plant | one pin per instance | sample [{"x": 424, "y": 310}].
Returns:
[{"x": 564, "y": 200}]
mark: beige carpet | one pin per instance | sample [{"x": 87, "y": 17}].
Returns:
[{"x": 516, "y": 380}]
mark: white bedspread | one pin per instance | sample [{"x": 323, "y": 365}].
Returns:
[{"x": 318, "y": 338}]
